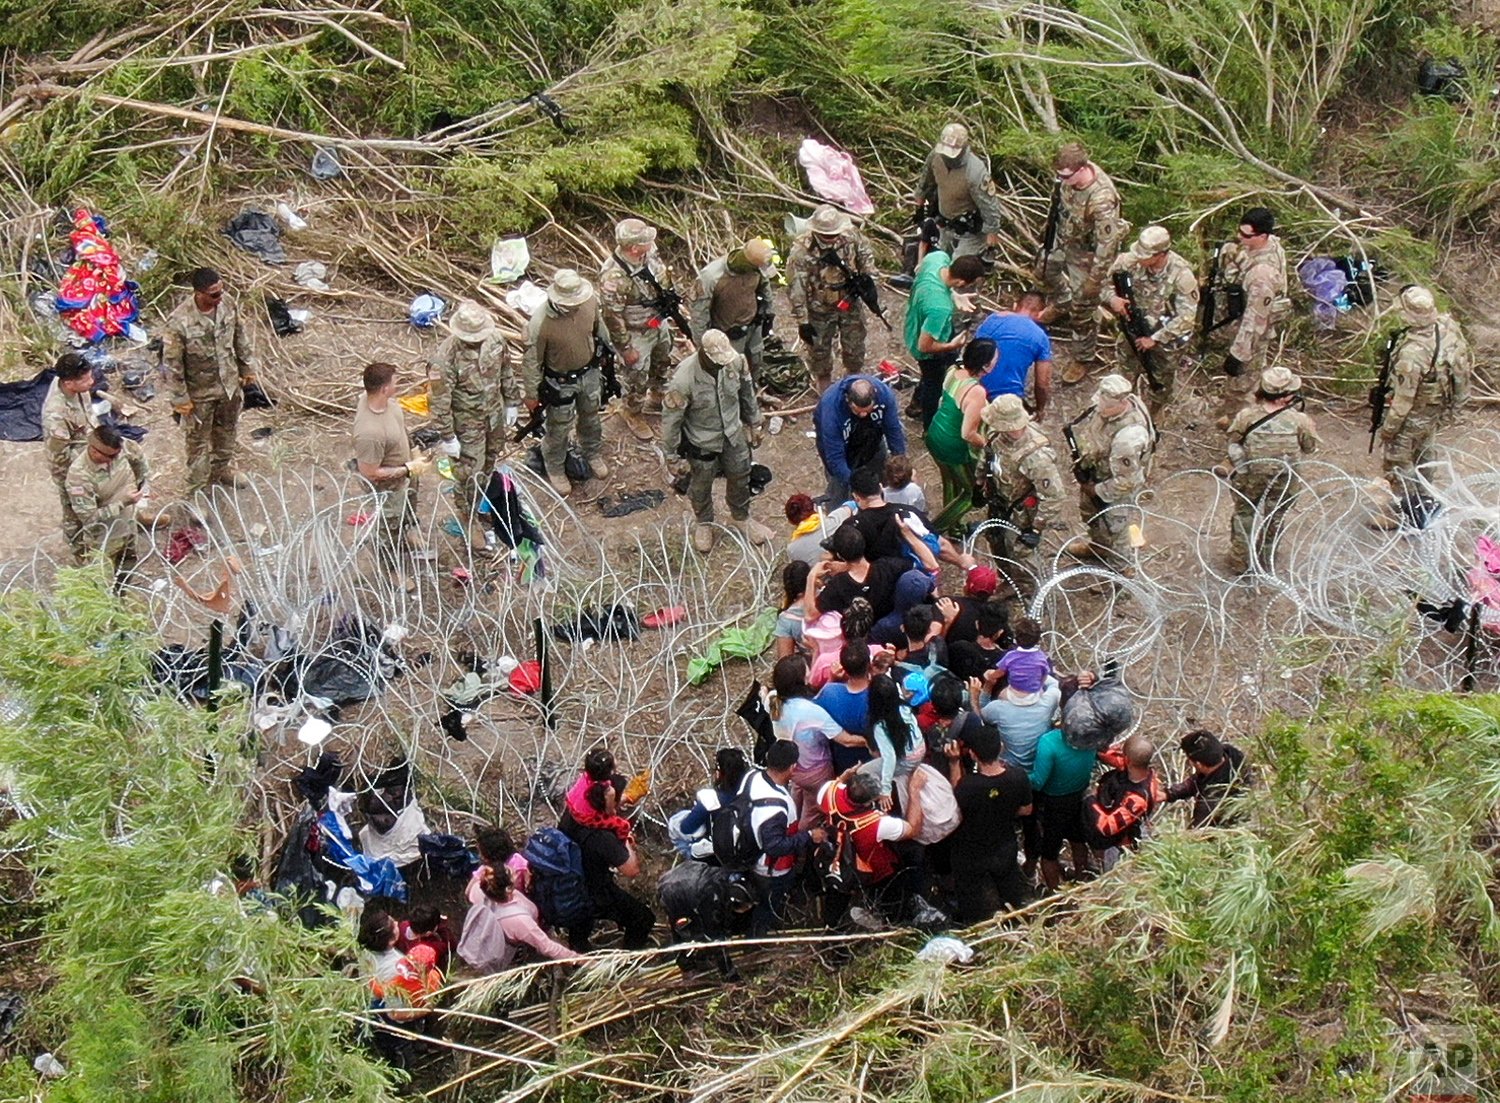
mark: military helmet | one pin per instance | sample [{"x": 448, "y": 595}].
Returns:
[{"x": 1111, "y": 388}]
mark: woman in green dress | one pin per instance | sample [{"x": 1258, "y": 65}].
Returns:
[{"x": 955, "y": 436}]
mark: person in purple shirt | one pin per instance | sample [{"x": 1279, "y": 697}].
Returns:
[{"x": 1023, "y": 346}]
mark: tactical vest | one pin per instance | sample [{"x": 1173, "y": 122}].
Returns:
[
  {"x": 734, "y": 303},
  {"x": 568, "y": 339},
  {"x": 953, "y": 194}
]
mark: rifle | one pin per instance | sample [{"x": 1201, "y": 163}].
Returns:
[
  {"x": 1382, "y": 389},
  {"x": 667, "y": 304},
  {"x": 1075, "y": 455},
  {"x": 1134, "y": 325},
  {"x": 1234, "y": 295},
  {"x": 604, "y": 360},
  {"x": 765, "y": 313},
  {"x": 1049, "y": 231},
  {"x": 860, "y": 284}
]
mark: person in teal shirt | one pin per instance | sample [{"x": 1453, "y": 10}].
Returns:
[
  {"x": 935, "y": 293},
  {"x": 1059, "y": 779}
]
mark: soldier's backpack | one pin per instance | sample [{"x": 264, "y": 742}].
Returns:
[
  {"x": 731, "y": 829},
  {"x": 558, "y": 888}
]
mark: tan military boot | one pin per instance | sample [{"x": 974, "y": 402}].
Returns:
[
  {"x": 599, "y": 468},
  {"x": 636, "y": 422},
  {"x": 1074, "y": 371},
  {"x": 477, "y": 540},
  {"x": 652, "y": 404},
  {"x": 755, "y": 533},
  {"x": 559, "y": 482},
  {"x": 704, "y": 537},
  {"x": 1081, "y": 547}
]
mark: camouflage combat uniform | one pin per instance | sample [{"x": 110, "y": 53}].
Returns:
[
  {"x": 67, "y": 420},
  {"x": 1025, "y": 486},
  {"x": 560, "y": 352},
  {"x": 471, "y": 387},
  {"x": 100, "y": 498},
  {"x": 1262, "y": 277},
  {"x": 705, "y": 414},
  {"x": 1113, "y": 457},
  {"x": 1169, "y": 300},
  {"x": 207, "y": 357},
  {"x": 967, "y": 204},
  {"x": 1264, "y": 448},
  {"x": 633, "y": 324},
  {"x": 1089, "y": 232},
  {"x": 731, "y": 300},
  {"x": 816, "y": 293},
  {"x": 1430, "y": 371}
]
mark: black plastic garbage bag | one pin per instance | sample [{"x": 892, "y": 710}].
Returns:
[
  {"x": 257, "y": 232},
  {"x": 1094, "y": 718},
  {"x": 282, "y": 322},
  {"x": 21, "y": 406},
  {"x": 615, "y": 623}
]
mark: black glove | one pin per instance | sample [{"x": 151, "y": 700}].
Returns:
[
  {"x": 808, "y": 332},
  {"x": 1233, "y": 366},
  {"x": 1030, "y": 538}
]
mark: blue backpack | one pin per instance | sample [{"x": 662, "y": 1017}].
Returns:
[{"x": 558, "y": 888}]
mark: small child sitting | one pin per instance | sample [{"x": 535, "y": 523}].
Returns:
[
  {"x": 900, "y": 487},
  {"x": 1027, "y": 658},
  {"x": 597, "y": 795}
]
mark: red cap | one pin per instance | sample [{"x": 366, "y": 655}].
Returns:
[{"x": 981, "y": 581}]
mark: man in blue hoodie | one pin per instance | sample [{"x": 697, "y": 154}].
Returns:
[{"x": 858, "y": 424}]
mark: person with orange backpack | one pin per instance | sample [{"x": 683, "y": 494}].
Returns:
[
  {"x": 865, "y": 858},
  {"x": 1124, "y": 799}
]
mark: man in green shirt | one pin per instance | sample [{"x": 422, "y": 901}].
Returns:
[{"x": 935, "y": 293}]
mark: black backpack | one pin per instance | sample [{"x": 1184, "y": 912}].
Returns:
[
  {"x": 558, "y": 887},
  {"x": 731, "y": 829}
]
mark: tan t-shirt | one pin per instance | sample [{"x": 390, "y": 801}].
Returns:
[{"x": 380, "y": 439}]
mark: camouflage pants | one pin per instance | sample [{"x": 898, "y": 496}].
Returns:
[
  {"x": 1063, "y": 275},
  {"x": 849, "y": 326},
  {"x": 395, "y": 510},
  {"x": 1409, "y": 447},
  {"x": 1109, "y": 528},
  {"x": 71, "y": 525},
  {"x": 582, "y": 411},
  {"x": 480, "y": 438},
  {"x": 1268, "y": 495},
  {"x": 210, "y": 431},
  {"x": 653, "y": 349},
  {"x": 1168, "y": 364},
  {"x": 734, "y": 465}
]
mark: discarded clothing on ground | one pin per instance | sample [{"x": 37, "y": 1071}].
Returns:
[
  {"x": 315, "y": 781},
  {"x": 507, "y": 513},
  {"x": 1338, "y": 285},
  {"x": 21, "y": 406},
  {"x": 299, "y": 876},
  {"x": 627, "y": 504},
  {"x": 426, "y": 311},
  {"x": 734, "y": 643},
  {"x": 374, "y": 876},
  {"x": 94, "y": 298},
  {"x": 185, "y": 671},
  {"x": 399, "y": 841},
  {"x": 833, "y": 174},
  {"x": 618, "y": 622},
  {"x": 353, "y": 668},
  {"x": 259, "y": 233},
  {"x": 282, "y": 322},
  {"x": 256, "y": 397}
]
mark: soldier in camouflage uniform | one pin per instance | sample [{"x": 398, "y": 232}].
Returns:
[
  {"x": 733, "y": 295},
  {"x": 821, "y": 305},
  {"x": 1022, "y": 476},
  {"x": 68, "y": 418},
  {"x": 1115, "y": 442},
  {"x": 560, "y": 370},
  {"x": 1266, "y": 439},
  {"x": 956, "y": 182},
  {"x": 1431, "y": 367},
  {"x": 710, "y": 422},
  {"x": 1166, "y": 292},
  {"x": 207, "y": 357},
  {"x": 105, "y": 481},
  {"x": 1089, "y": 233},
  {"x": 472, "y": 390},
  {"x": 1256, "y": 264},
  {"x": 639, "y": 330}
]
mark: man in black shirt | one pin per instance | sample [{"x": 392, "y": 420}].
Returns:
[
  {"x": 991, "y": 801},
  {"x": 1220, "y": 774},
  {"x": 972, "y": 658},
  {"x": 835, "y": 582},
  {"x": 606, "y": 857}
]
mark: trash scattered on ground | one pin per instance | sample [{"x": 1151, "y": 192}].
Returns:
[
  {"x": 664, "y": 618},
  {"x": 313, "y": 275},
  {"x": 734, "y": 643},
  {"x": 293, "y": 220},
  {"x": 257, "y": 232},
  {"x": 509, "y": 259},
  {"x": 526, "y": 297},
  {"x": 947, "y": 950},
  {"x": 282, "y": 321},
  {"x": 326, "y": 165},
  {"x": 49, "y": 1067},
  {"x": 255, "y": 398},
  {"x": 618, "y": 622},
  {"x": 626, "y": 504},
  {"x": 426, "y": 311}
]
